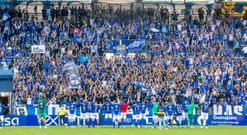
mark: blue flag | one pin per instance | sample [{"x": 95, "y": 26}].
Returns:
[
  {"x": 141, "y": 86},
  {"x": 5, "y": 17}
]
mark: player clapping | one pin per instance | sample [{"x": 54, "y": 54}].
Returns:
[
  {"x": 116, "y": 115},
  {"x": 204, "y": 113},
  {"x": 154, "y": 112},
  {"x": 83, "y": 105},
  {"x": 96, "y": 112},
  {"x": 191, "y": 108},
  {"x": 185, "y": 112},
  {"x": 108, "y": 113},
  {"x": 136, "y": 113},
  {"x": 41, "y": 111},
  {"x": 71, "y": 114},
  {"x": 169, "y": 112},
  {"x": 124, "y": 108},
  {"x": 179, "y": 116},
  {"x": 143, "y": 114},
  {"x": 89, "y": 115}
]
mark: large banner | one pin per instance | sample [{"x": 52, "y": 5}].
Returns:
[
  {"x": 53, "y": 120},
  {"x": 70, "y": 71},
  {"x": 125, "y": 46},
  {"x": 38, "y": 49}
]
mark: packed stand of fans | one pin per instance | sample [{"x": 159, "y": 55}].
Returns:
[{"x": 188, "y": 59}]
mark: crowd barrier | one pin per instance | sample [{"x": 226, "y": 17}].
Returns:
[
  {"x": 53, "y": 120},
  {"x": 221, "y": 115}
]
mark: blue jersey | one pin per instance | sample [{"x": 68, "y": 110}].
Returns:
[
  {"x": 205, "y": 107},
  {"x": 163, "y": 106},
  {"x": 97, "y": 108},
  {"x": 78, "y": 107},
  {"x": 108, "y": 107},
  {"x": 78, "y": 104},
  {"x": 185, "y": 107},
  {"x": 229, "y": 102},
  {"x": 179, "y": 109},
  {"x": 143, "y": 108},
  {"x": 149, "y": 107},
  {"x": 136, "y": 108},
  {"x": 169, "y": 109},
  {"x": 116, "y": 109},
  {"x": 1, "y": 108},
  {"x": 71, "y": 108},
  {"x": 83, "y": 107},
  {"x": 90, "y": 107}
]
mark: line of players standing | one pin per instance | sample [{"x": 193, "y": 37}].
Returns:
[{"x": 116, "y": 113}]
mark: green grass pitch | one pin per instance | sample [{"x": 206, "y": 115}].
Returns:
[{"x": 215, "y": 130}]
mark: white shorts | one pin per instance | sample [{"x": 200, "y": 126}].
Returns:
[
  {"x": 83, "y": 115},
  {"x": 89, "y": 115},
  {"x": 169, "y": 117},
  {"x": 108, "y": 116},
  {"x": 204, "y": 116},
  {"x": 155, "y": 117},
  {"x": 116, "y": 117},
  {"x": 1, "y": 118},
  {"x": 179, "y": 118},
  {"x": 72, "y": 117},
  {"x": 123, "y": 115},
  {"x": 165, "y": 117},
  {"x": 96, "y": 116},
  {"x": 143, "y": 116},
  {"x": 185, "y": 115},
  {"x": 136, "y": 116},
  {"x": 162, "y": 118}
]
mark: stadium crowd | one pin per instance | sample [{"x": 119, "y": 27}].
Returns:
[{"x": 186, "y": 59}]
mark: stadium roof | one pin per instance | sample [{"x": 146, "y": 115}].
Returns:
[
  {"x": 117, "y": 1},
  {"x": 83, "y": 1}
]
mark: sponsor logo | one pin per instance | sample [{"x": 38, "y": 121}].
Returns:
[
  {"x": 199, "y": 120},
  {"x": 52, "y": 121},
  {"x": 129, "y": 120},
  {"x": 227, "y": 110},
  {"x": 224, "y": 117},
  {"x": 11, "y": 121}
]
